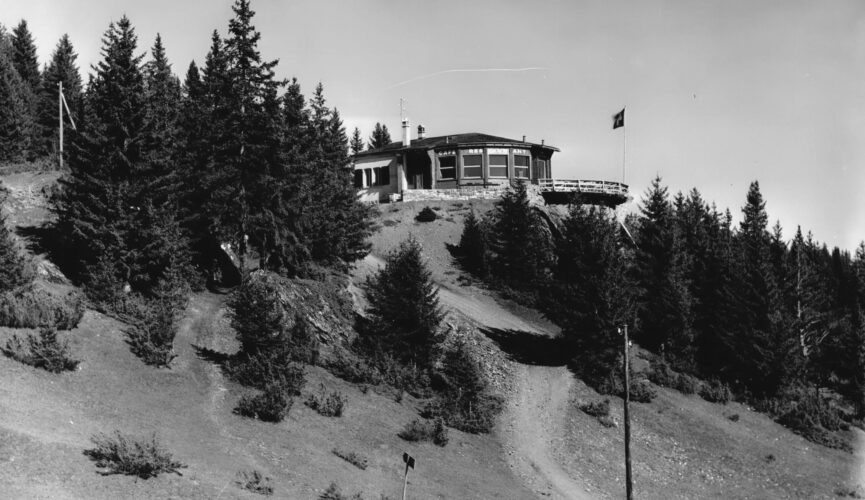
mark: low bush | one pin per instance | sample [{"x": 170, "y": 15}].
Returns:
[
  {"x": 121, "y": 454},
  {"x": 44, "y": 351},
  {"x": 806, "y": 413},
  {"x": 352, "y": 368},
  {"x": 328, "y": 404},
  {"x": 151, "y": 335},
  {"x": 255, "y": 482},
  {"x": 351, "y": 457},
  {"x": 687, "y": 384},
  {"x": 733, "y": 418},
  {"x": 849, "y": 492},
  {"x": 267, "y": 369},
  {"x": 425, "y": 430},
  {"x": 716, "y": 391},
  {"x": 596, "y": 408},
  {"x": 463, "y": 399},
  {"x": 272, "y": 405},
  {"x": 334, "y": 493},
  {"x": 426, "y": 215},
  {"x": 642, "y": 392},
  {"x": 607, "y": 421},
  {"x": 33, "y": 306}
]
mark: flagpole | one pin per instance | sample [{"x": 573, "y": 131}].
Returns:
[{"x": 624, "y": 143}]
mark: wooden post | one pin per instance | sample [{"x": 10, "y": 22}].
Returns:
[
  {"x": 60, "y": 117},
  {"x": 405, "y": 483},
  {"x": 628, "y": 486}
]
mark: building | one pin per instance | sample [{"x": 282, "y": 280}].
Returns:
[{"x": 470, "y": 165}]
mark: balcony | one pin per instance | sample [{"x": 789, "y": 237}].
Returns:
[{"x": 562, "y": 191}]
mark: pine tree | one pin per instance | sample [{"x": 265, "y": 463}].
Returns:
[
  {"x": 96, "y": 208},
  {"x": 474, "y": 246},
  {"x": 16, "y": 120},
  {"x": 404, "y": 307},
  {"x": 592, "y": 295},
  {"x": 521, "y": 244},
  {"x": 24, "y": 56},
  {"x": 61, "y": 69},
  {"x": 356, "y": 145},
  {"x": 664, "y": 320},
  {"x": 380, "y": 136}
]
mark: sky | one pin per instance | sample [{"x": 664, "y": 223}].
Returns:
[{"x": 717, "y": 93}]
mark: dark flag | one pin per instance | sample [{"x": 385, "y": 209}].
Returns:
[{"x": 619, "y": 119}]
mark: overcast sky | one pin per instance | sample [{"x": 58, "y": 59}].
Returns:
[{"x": 718, "y": 93}]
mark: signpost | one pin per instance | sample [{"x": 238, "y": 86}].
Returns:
[
  {"x": 628, "y": 486},
  {"x": 409, "y": 462}
]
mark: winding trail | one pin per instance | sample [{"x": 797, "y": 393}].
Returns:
[{"x": 535, "y": 412}]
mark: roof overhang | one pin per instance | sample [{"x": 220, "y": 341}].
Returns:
[{"x": 373, "y": 162}]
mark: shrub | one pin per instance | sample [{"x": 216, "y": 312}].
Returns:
[
  {"x": 255, "y": 482},
  {"x": 122, "y": 454},
  {"x": 44, "y": 351},
  {"x": 716, "y": 391},
  {"x": 733, "y": 418},
  {"x": 266, "y": 369},
  {"x": 351, "y": 457},
  {"x": 33, "y": 306},
  {"x": 642, "y": 392},
  {"x": 596, "y": 408},
  {"x": 327, "y": 404},
  {"x": 257, "y": 316},
  {"x": 607, "y": 421},
  {"x": 354, "y": 369},
  {"x": 440, "y": 433},
  {"x": 426, "y": 215},
  {"x": 463, "y": 399},
  {"x": 334, "y": 493},
  {"x": 687, "y": 384},
  {"x": 662, "y": 374},
  {"x": 804, "y": 412},
  {"x": 474, "y": 246},
  {"x": 272, "y": 405},
  {"x": 151, "y": 336},
  {"x": 849, "y": 492}
]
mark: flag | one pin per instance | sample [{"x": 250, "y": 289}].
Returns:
[{"x": 619, "y": 119}]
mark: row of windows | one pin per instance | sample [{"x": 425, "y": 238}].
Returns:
[
  {"x": 473, "y": 166},
  {"x": 379, "y": 176}
]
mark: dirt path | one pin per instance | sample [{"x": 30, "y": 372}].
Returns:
[{"x": 534, "y": 414}]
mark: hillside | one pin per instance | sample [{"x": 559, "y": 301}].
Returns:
[{"x": 543, "y": 446}]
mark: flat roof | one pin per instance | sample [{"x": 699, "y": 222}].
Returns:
[{"x": 454, "y": 140}]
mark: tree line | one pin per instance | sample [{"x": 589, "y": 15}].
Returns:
[{"x": 772, "y": 318}]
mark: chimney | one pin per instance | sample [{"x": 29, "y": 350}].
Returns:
[
  {"x": 524, "y": 138},
  {"x": 421, "y": 132},
  {"x": 542, "y": 142},
  {"x": 406, "y": 132}
]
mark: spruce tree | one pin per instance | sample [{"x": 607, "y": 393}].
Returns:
[
  {"x": 356, "y": 145},
  {"x": 521, "y": 244},
  {"x": 474, "y": 246},
  {"x": 404, "y": 307},
  {"x": 16, "y": 120},
  {"x": 24, "y": 56},
  {"x": 664, "y": 319},
  {"x": 592, "y": 295},
  {"x": 380, "y": 136},
  {"x": 62, "y": 68}
]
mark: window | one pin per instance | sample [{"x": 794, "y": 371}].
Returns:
[
  {"x": 473, "y": 165},
  {"x": 521, "y": 167},
  {"x": 498, "y": 165},
  {"x": 368, "y": 175},
  {"x": 358, "y": 178},
  {"x": 382, "y": 176},
  {"x": 540, "y": 169},
  {"x": 447, "y": 167}
]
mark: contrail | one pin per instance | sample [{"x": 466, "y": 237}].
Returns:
[{"x": 480, "y": 70}]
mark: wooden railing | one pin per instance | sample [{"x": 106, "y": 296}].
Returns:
[{"x": 579, "y": 186}]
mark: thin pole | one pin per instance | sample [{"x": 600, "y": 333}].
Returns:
[
  {"x": 60, "y": 118},
  {"x": 628, "y": 486},
  {"x": 624, "y": 142},
  {"x": 405, "y": 482}
]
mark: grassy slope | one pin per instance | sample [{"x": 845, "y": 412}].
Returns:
[{"x": 683, "y": 447}]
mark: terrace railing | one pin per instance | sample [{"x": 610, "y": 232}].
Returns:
[{"x": 581, "y": 186}]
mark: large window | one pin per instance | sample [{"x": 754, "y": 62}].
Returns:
[
  {"x": 473, "y": 165},
  {"x": 368, "y": 176},
  {"x": 498, "y": 165},
  {"x": 447, "y": 167},
  {"x": 521, "y": 167},
  {"x": 358, "y": 178},
  {"x": 382, "y": 176}
]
